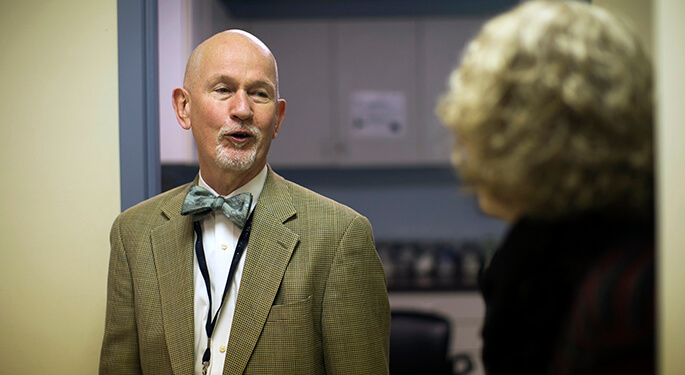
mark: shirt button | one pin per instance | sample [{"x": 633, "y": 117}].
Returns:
[
  {"x": 224, "y": 246},
  {"x": 222, "y": 348}
]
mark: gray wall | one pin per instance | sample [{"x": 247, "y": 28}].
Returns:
[{"x": 405, "y": 203}]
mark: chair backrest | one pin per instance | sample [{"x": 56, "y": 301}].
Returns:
[{"x": 419, "y": 343}]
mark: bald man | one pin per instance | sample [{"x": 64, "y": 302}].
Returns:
[{"x": 241, "y": 271}]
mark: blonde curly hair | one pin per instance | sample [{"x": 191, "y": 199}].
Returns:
[{"x": 552, "y": 112}]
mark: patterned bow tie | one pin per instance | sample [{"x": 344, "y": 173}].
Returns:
[{"x": 200, "y": 202}]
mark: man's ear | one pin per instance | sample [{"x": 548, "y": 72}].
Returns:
[
  {"x": 181, "y": 101},
  {"x": 280, "y": 114}
]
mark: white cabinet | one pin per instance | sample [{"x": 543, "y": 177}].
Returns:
[
  {"x": 377, "y": 59},
  {"x": 343, "y": 79}
]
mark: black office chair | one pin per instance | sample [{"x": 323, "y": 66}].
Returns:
[{"x": 419, "y": 343}]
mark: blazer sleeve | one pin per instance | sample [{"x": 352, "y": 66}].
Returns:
[
  {"x": 119, "y": 354},
  {"x": 356, "y": 312}
]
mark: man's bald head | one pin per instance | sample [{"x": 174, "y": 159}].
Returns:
[{"x": 228, "y": 41}]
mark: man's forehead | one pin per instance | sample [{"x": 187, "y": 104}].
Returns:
[
  {"x": 238, "y": 62},
  {"x": 239, "y": 52},
  {"x": 235, "y": 42},
  {"x": 232, "y": 49}
]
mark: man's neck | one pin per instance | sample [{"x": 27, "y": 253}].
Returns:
[{"x": 224, "y": 182}]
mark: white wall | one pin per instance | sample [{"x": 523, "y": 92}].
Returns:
[
  {"x": 59, "y": 160},
  {"x": 670, "y": 62},
  {"x": 175, "y": 46}
]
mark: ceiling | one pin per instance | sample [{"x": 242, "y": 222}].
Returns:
[{"x": 363, "y": 8}]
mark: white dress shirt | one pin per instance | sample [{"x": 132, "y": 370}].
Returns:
[{"x": 219, "y": 239}]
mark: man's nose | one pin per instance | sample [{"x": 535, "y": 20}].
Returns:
[{"x": 241, "y": 107}]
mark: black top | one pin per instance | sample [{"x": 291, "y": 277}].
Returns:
[{"x": 531, "y": 287}]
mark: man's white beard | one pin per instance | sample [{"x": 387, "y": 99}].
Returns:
[{"x": 234, "y": 158}]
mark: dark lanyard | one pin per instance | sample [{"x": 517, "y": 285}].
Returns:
[{"x": 202, "y": 262}]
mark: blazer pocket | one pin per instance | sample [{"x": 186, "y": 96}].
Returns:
[
  {"x": 292, "y": 323},
  {"x": 290, "y": 342},
  {"x": 293, "y": 311}
]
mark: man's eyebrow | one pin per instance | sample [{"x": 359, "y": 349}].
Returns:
[
  {"x": 220, "y": 78},
  {"x": 263, "y": 83},
  {"x": 256, "y": 83}
]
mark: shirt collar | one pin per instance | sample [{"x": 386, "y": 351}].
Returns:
[{"x": 253, "y": 186}]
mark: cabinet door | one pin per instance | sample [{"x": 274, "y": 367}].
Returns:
[
  {"x": 304, "y": 64},
  {"x": 442, "y": 41},
  {"x": 375, "y": 66}
]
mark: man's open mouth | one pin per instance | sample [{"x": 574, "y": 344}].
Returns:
[{"x": 239, "y": 136}]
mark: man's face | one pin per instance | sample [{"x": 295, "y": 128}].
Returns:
[{"x": 234, "y": 110}]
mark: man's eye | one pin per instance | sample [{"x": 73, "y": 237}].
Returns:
[
  {"x": 222, "y": 90},
  {"x": 261, "y": 96}
]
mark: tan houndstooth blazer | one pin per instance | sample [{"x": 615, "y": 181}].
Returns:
[{"x": 312, "y": 299}]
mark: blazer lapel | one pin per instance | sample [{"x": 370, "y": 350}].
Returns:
[
  {"x": 172, "y": 246},
  {"x": 268, "y": 253}
]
